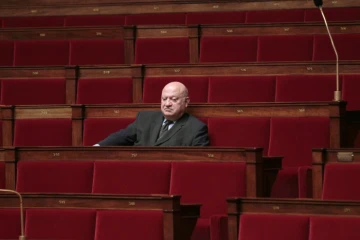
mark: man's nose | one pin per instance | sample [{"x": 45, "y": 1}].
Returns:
[{"x": 168, "y": 102}]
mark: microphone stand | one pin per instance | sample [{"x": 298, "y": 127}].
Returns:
[
  {"x": 22, "y": 236},
  {"x": 337, "y": 93}
]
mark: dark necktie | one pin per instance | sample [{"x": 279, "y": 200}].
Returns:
[{"x": 164, "y": 128}]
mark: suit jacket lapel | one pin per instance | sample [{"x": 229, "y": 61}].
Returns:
[
  {"x": 155, "y": 128},
  {"x": 178, "y": 125}
]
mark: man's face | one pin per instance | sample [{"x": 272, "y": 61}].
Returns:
[{"x": 173, "y": 102}]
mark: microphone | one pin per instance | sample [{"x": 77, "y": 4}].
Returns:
[
  {"x": 337, "y": 93},
  {"x": 22, "y": 236}
]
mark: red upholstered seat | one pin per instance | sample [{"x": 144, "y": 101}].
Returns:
[
  {"x": 273, "y": 226},
  {"x": 95, "y": 20},
  {"x": 96, "y": 129},
  {"x": 209, "y": 184},
  {"x": 104, "y": 91},
  {"x": 350, "y": 92},
  {"x": 41, "y": 52},
  {"x": 334, "y": 227},
  {"x": 144, "y": 224},
  {"x": 242, "y": 89},
  {"x": 155, "y": 19},
  {"x": 162, "y": 50},
  {"x": 54, "y": 176},
  {"x": 303, "y": 88},
  {"x": 23, "y": 22},
  {"x": 273, "y": 16},
  {"x": 294, "y": 138},
  {"x": 215, "y": 17},
  {"x": 285, "y": 48},
  {"x": 10, "y": 223},
  {"x": 346, "y": 45},
  {"x": 33, "y": 91},
  {"x": 77, "y": 224},
  {"x": 2, "y": 175},
  {"x": 43, "y": 132},
  {"x": 333, "y": 14},
  {"x": 339, "y": 182},
  {"x": 131, "y": 177},
  {"x": 239, "y": 132},
  {"x": 99, "y": 51},
  {"x": 228, "y": 49},
  {"x": 197, "y": 86},
  {"x": 7, "y": 53}
]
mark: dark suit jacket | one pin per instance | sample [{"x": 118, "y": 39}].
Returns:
[{"x": 187, "y": 131}]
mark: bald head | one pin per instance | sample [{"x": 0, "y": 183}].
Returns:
[{"x": 174, "y": 100}]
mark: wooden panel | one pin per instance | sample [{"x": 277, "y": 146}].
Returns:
[
  {"x": 95, "y": 7},
  {"x": 221, "y": 110},
  {"x": 279, "y": 29},
  {"x": 276, "y": 69},
  {"x": 62, "y": 33}
]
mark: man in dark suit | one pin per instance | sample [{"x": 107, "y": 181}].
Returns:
[{"x": 169, "y": 127}]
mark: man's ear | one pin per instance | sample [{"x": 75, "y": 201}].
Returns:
[{"x": 187, "y": 101}]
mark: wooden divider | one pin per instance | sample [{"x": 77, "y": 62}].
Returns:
[
  {"x": 178, "y": 224},
  {"x": 95, "y": 7},
  {"x": 239, "y": 206}
]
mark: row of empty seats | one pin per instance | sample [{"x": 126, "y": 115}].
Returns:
[
  {"x": 218, "y": 89},
  {"x": 98, "y": 217},
  {"x": 260, "y": 16},
  {"x": 178, "y": 50},
  {"x": 292, "y": 219}
]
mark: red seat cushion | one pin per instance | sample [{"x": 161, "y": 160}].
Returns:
[
  {"x": 105, "y": 91},
  {"x": 334, "y": 227},
  {"x": 10, "y": 223},
  {"x": 131, "y": 177},
  {"x": 7, "y": 53},
  {"x": 346, "y": 45},
  {"x": 208, "y": 183},
  {"x": 96, "y": 129},
  {"x": 54, "y": 176},
  {"x": 33, "y": 91},
  {"x": 295, "y": 137},
  {"x": 215, "y": 17},
  {"x": 201, "y": 230},
  {"x": 144, "y": 224},
  {"x": 272, "y": 16},
  {"x": 242, "y": 89},
  {"x": 21, "y": 22},
  {"x": 285, "y": 48},
  {"x": 350, "y": 92},
  {"x": 76, "y": 224},
  {"x": 100, "y": 51},
  {"x": 302, "y": 88},
  {"x": 155, "y": 19},
  {"x": 228, "y": 49},
  {"x": 333, "y": 14},
  {"x": 43, "y": 132},
  {"x": 338, "y": 182},
  {"x": 239, "y": 132},
  {"x": 95, "y": 20},
  {"x": 197, "y": 86},
  {"x": 162, "y": 50},
  {"x": 42, "y": 52},
  {"x": 273, "y": 226}
]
